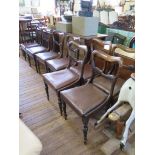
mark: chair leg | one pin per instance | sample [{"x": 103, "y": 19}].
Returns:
[
  {"x": 35, "y": 62},
  {"x": 85, "y": 128},
  {"x": 119, "y": 128},
  {"x": 24, "y": 54},
  {"x": 64, "y": 108},
  {"x": 29, "y": 60},
  {"x": 38, "y": 65},
  {"x": 46, "y": 68},
  {"x": 60, "y": 103},
  {"x": 46, "y": 89}
]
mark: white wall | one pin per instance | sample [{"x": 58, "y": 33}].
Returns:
[{"x": 46, "y": 7}]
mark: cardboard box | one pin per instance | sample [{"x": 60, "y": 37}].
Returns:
[
  {"x": 64, "y": 26},
  {"x": 85, "y": 26}
]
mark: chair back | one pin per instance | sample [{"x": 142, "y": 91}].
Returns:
[
  {"x": 132, "y": 43},
  {"x": 116, "y": 38},
  {"x": 46, "y": 38},
  {"x": 58, "y": 42},
  {"x": 67, "y": 40},
  {"x": 128, "y": 56},
  {"x": 97, "y": 44},
  {"x": 39, "y": 35},
  {"x": 77, "y": 56},
  {"x": 110, "y": 70}
]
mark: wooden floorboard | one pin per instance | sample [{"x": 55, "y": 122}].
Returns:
[{"x": 58, "y": 136}]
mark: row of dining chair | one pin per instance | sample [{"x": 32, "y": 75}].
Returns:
[
  {"x": 86, "y": 95},
  {"x": 77, "y": 81},
  {"x": 49, "y": 46}
]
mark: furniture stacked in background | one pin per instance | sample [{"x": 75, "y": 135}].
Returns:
[{"x": 27, "y": 28}]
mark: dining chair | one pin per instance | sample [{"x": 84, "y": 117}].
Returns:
[
  {"x": 88, "y": 99},
  {"x": 98, "y": 44},
  {"x": 128, "y": 56},
  {"x": 37, "y": 42},
  {"x": 44, "y": 47},
  {"x": 56, "y": 50},
  {"x": 67, "y": 78},
  {"x": 63, "y": 60},
  {"x": 132, "y": 43}
]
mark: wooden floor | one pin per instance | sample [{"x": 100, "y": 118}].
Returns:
[{"x": 58, "y": 136}]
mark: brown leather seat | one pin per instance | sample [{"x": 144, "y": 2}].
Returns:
[
  {"x": 57, "y": 64},
  {"x": 41, "y": 57},
  {"x": 34, "y": 50},
  {"x": 67, "y": 78},
  {"x": 88, "y": 99},
  {"x": 84, "y": 98},
  {"x": 29, "y": 45},
  {"x": 56, "y": 49},
  {"x": 61, "y": 79}
]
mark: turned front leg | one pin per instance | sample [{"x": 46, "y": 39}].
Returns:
[
  {"x": 60, "y": 103},
  {"x": 35, "y": 62},
  {"x": 46, "y": 89},
  {"x": 85, "y": 128}
]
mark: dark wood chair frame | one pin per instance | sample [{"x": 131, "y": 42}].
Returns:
[
  {"x": 72, "y": 62},
  {"x": 132, "y": 41},
  {"x": 44, "y": 42},
  {"x": 38, "y": 40},
  {"x": 128, "y": 66},
  {"x": 63, "y": 53},
  {"x": 56, "y": 44},
  {"x": 111, "y": 74}
]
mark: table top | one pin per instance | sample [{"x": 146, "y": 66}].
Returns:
[
  {"x": 21, "y": 19},
  {"x": 99, "y": 35}
]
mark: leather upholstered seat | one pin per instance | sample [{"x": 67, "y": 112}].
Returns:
[
  {"x": 84, "y": 98},
  {"x": 28, "y": 45},
  {"x": 34, "y": 50},
  {"x": 59, "y": 80},
  {"x": 41, "y": 57},
  {"x": 57, "y": 64}
]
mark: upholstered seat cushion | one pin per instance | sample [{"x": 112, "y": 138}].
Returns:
[
  {"x": 28, "y": 45},
  {"x": 101, "y": 82},
  {"x": 42, "y": 57},
  {"x": 36, "y": 49},
  {"x": 87, "y": 71},
  {"x": 58, "y": 64},
  {"x": 60, "y": 79},
  {"x": 84, "y": 98}
]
